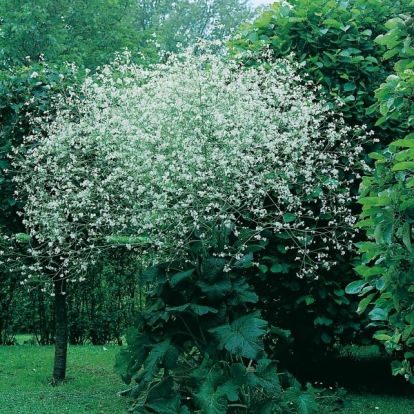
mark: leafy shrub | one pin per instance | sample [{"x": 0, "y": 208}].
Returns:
[
  {"x": 73, "y": 32},
  {"x": 387, "y": 216},
  {"x": 199, "y": 345},
  {"x": 333, "y": 41}
]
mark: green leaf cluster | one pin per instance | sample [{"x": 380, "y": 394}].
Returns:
[
  {"x": 387, "y": 210},
  {"x": 87, "y": 34},
  {"x": 26, "y": 94},
  {"x": 200, "y": 343},
  {"x": 333, "y": 41}
]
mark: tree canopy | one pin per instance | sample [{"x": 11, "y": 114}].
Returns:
[{"x": 89, "y": 33}]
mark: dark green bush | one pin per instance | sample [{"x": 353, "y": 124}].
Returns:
[
  {"x": 199, "y": 345},
  {"x": 334, "y": 42},
  {"x": 387, "y": 217},
  {"x": 104, "y": 305}
]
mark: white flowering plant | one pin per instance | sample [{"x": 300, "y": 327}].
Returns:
[
  {"x": 208, "y": 167},
  {"x": 152, "y": 157}
]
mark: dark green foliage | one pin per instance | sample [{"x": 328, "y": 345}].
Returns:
[
  {"x": 334, "y": 44},
  {"x": 90, "y": 33},
  {"x": 387, "y": 217},
  {"x": 25, "y": 94},
  {"x": 104, "y": 305},
  {"x": 199, "y": 345}
]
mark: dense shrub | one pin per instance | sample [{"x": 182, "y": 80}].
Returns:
[
  {"x": 387, "y": 216},
  {"x": 104, "y": 305},
  {"x": 199, "y": 345},
  {"x": 76, "y": 32},
  {"x": 333, "y": 41}
]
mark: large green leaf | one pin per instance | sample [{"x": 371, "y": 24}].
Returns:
[
  {"x": 168, "y": 406},
  {"x": 212, "y": 398},
  {"x": 212, "y": 268},
  {"x": 152, "y": 363},
  {"x": 364, "y": 303},
  {"x": 179, "y": 277},
  {"x": 378, "y": 314},
  {"x": 243, "y": 336},
  {"x": 202, "y": 310},
  {"x": 170, "y": 358},
  {"x": 130, "y": 359},
  {"x": 265, "y": 377},
  {"x": 217, "y": 290},
  {"x": 162, "y": 389},
  {"x": 303, "y": 403},
  {"x": 197, "y": 309},
  {"x": 242, "y": 292},
  {"x": 406, "y": 165},
  {"x": 154, "y": 274},
  {"x": 375, "y": 201},
  {"x": 355, "y": 287},
  {"x": 406, "y": 143}
]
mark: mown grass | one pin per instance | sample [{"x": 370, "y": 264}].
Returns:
[
  {"x": 371, "y": 403},
  {"x": 25, "y": 373},
  {"x": 92, "y": 385}
]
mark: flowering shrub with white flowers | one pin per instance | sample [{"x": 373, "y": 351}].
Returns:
[
  {"x": 232, "y": 180},
  {"x": 151, "y": 158}
]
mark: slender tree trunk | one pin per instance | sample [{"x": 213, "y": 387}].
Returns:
[{"x": 61, "y": 332}]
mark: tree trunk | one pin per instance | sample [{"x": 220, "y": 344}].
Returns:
[{"x": 61, "y": 332}]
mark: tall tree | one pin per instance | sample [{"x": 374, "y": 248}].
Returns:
[
  {"x": 232, "y": 160},
  {"x": 85, "y": 32},
  {"x": 90, "y": 32},
  {"x": 183, "y": 21}
]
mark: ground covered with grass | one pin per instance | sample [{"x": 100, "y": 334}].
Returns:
[
  {"x": 25, "y": 373},
  {"x": 92, "y": 385},
  {"x": 364, "y": 403}
]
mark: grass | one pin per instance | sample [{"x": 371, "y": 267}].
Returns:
[
  {"x": 91, "y": 388},
  {"x": 92, "y": 385},
  {"x": 372, "y": 403}
]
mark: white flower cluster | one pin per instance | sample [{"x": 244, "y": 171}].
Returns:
[{"x": 153, "y": 155}]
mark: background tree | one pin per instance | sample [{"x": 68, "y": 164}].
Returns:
[
  {"x": 184, "y": 21},
  {"x": 86, "y": 33},
  {"x": 89, "y": 33}
]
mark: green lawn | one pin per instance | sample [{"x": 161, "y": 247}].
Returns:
[
  {"x": 371, "y": 403},
  {"x": 91, "y": 388},
  {"x": 92, "y": 385}
]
